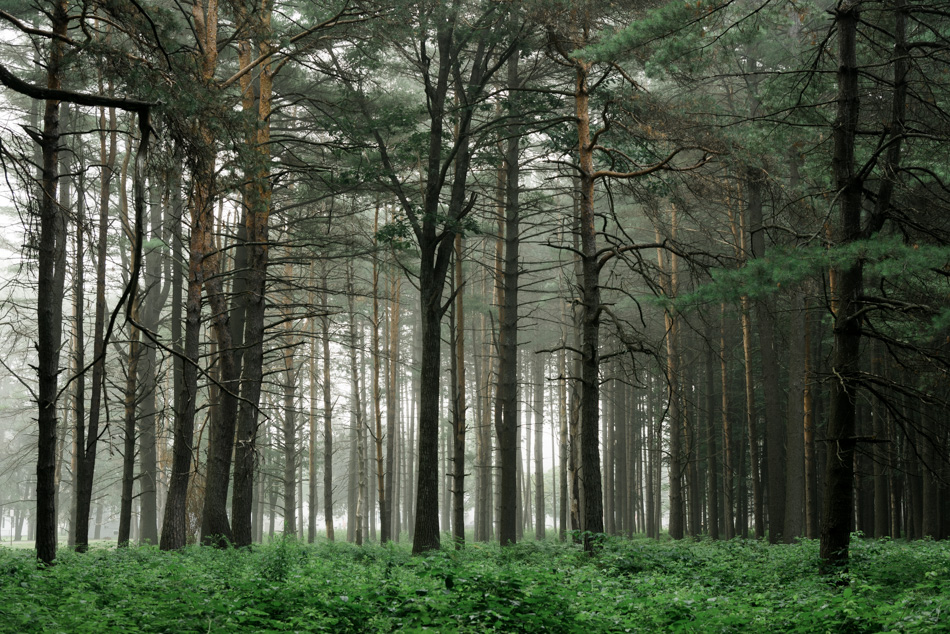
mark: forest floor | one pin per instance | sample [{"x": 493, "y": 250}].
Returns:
[{"x": 634, "y": 585}]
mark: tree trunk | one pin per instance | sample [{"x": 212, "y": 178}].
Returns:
[
  {"x": 562, "y": 433},
  {"x": 153, "y": 300},
  {"x": 795, "y": 436},
  {"x": 86, "y": 464},
  {"x": 312, "y": 499},
  {"x": 808, "y": 422},
  {"x": 79, "y": 345},
  {"x": 128, "y": 454},
  {"x": 290, "y": 439},
  {"x": 49, "y": 297},
  {"x": 728, "y": 505},
  {"x": 539, "y": 514},
  {"x": 185, "y": 388},
  {"x": 215, "y": 525},
  {"x": 256, "y": 228},
  {"x": 712, "y": 449},
  {"x": 589, "y": 285},
  {"x": 392, "y": 405},
  {"x": 459, "y": 405},
  {"x": 848, "y": 281},
  {"x": 327, "y": 408},
  {"x": 774, "y": 421},
  {"x": 384, "y": 517},
  {"x": 669, "y": 283},
  {"x": 507, "y": 431}
]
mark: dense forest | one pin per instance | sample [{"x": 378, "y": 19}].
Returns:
[{"x": 474, "y": 270}]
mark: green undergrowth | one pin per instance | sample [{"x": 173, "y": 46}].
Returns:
[{"x": 628, "y": 586}]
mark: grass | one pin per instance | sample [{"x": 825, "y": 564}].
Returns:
[{"x": 629, "y": 586}]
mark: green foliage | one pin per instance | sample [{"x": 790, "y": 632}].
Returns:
[
  {"x": 630, "y": 585},
  {"x": 883, "y": 257}
]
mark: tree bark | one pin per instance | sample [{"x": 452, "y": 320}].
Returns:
[
  {"x": 327, "y": 408},
  {"x": 459, "y": 405},
  {"x": 49, "y": 297},
  {"x": 848, "y": 281},
  {"x": 539, "y": 514},
  {"x": 507, "y": 431},
  {"x": 795, "y": 435},
  {"x": 86, "y": 465},
  {"x": 774, "y": 421},
  {"x": 128, "y": 453},
  {"x": 590, "y": 322},
  {"x": 257, "y": 218},
  {"x": 728, "y": 506}
]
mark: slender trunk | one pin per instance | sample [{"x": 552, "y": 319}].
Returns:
[
  {"x": 392, "y": 406},
  {"x": 50, "y": 289},
  {"x": 589, "y": 284},
  {"x": 327, "y": 409},
  {"x": 881, "y": 473},
  {"x": 256, "y": 228},
  {"x": 215, "y": 525},
  {"x": 86, "y": 464},
  {"x": 808, "y": 423},
  {"x": 539, "y": 514},
  {"x": 795, "y": 437},
  {"x": 289, "y": 439},
  {"x": 128, "y": 454},
  {"x": 562, "y": 437},
  {"x": 153, "y": 300},
  {"x": 79, "y": 392},
  {"x": 848, "y": 282},
  {"x": 426, "y": 525},
  {"x": 712, "y": 449},
  {"x": 774, "y": 421},
  {"x": 385, "y": 523},
  {"x": 312, "y": 498},
  {"x": 728, "y": 505},
  {"x": 459, "y": 405},
  {"x": 669, "y": 284},
  {"x": 507, "y": 431},
  {"x": 185, "y": 385}
]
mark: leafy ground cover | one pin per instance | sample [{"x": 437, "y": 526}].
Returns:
[{"x": 629, "y": 586}]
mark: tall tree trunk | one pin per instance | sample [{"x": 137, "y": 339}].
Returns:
[
  {"x": 774, "y": 421},
  {"x": 79, "y": 363},
  {"x": 562, "y": 433},
  {"x": 751, "y": 424},
  {"x": 392, "y": 404},
  {"x": 881, "y": 468},
  {"x": 257, "y": 251},
  {"x": 712, "y": 449},
  {"x": 128, "y": 453},
  {"x": 728, "y": 505},
  {"x": 589, "y": 284},
  {"x": 507, "y": 431},
  {"x": 459, "y": 405},
  {"x": 185, "y": 389},
  {"x": 808, "y": 423},
  {"x": 669, "y": 282},
  {"x": 86, "y": 464},
  {"x": 290, "y": 438},
  {"x": 539, "y": 514},
  {"x": 50, "y": 289},
  {"x": 327, "y": 407},
  {"x": 215, "y": 525},
  {"x": 312, "y": 499},
  {"x": 848, "y": 281},
  {"x": 385, "y": 522},
  {"x": 153, "y": 300},
  {"x": 795, "y": 436},
  {"x": 356, "y": 405}
]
